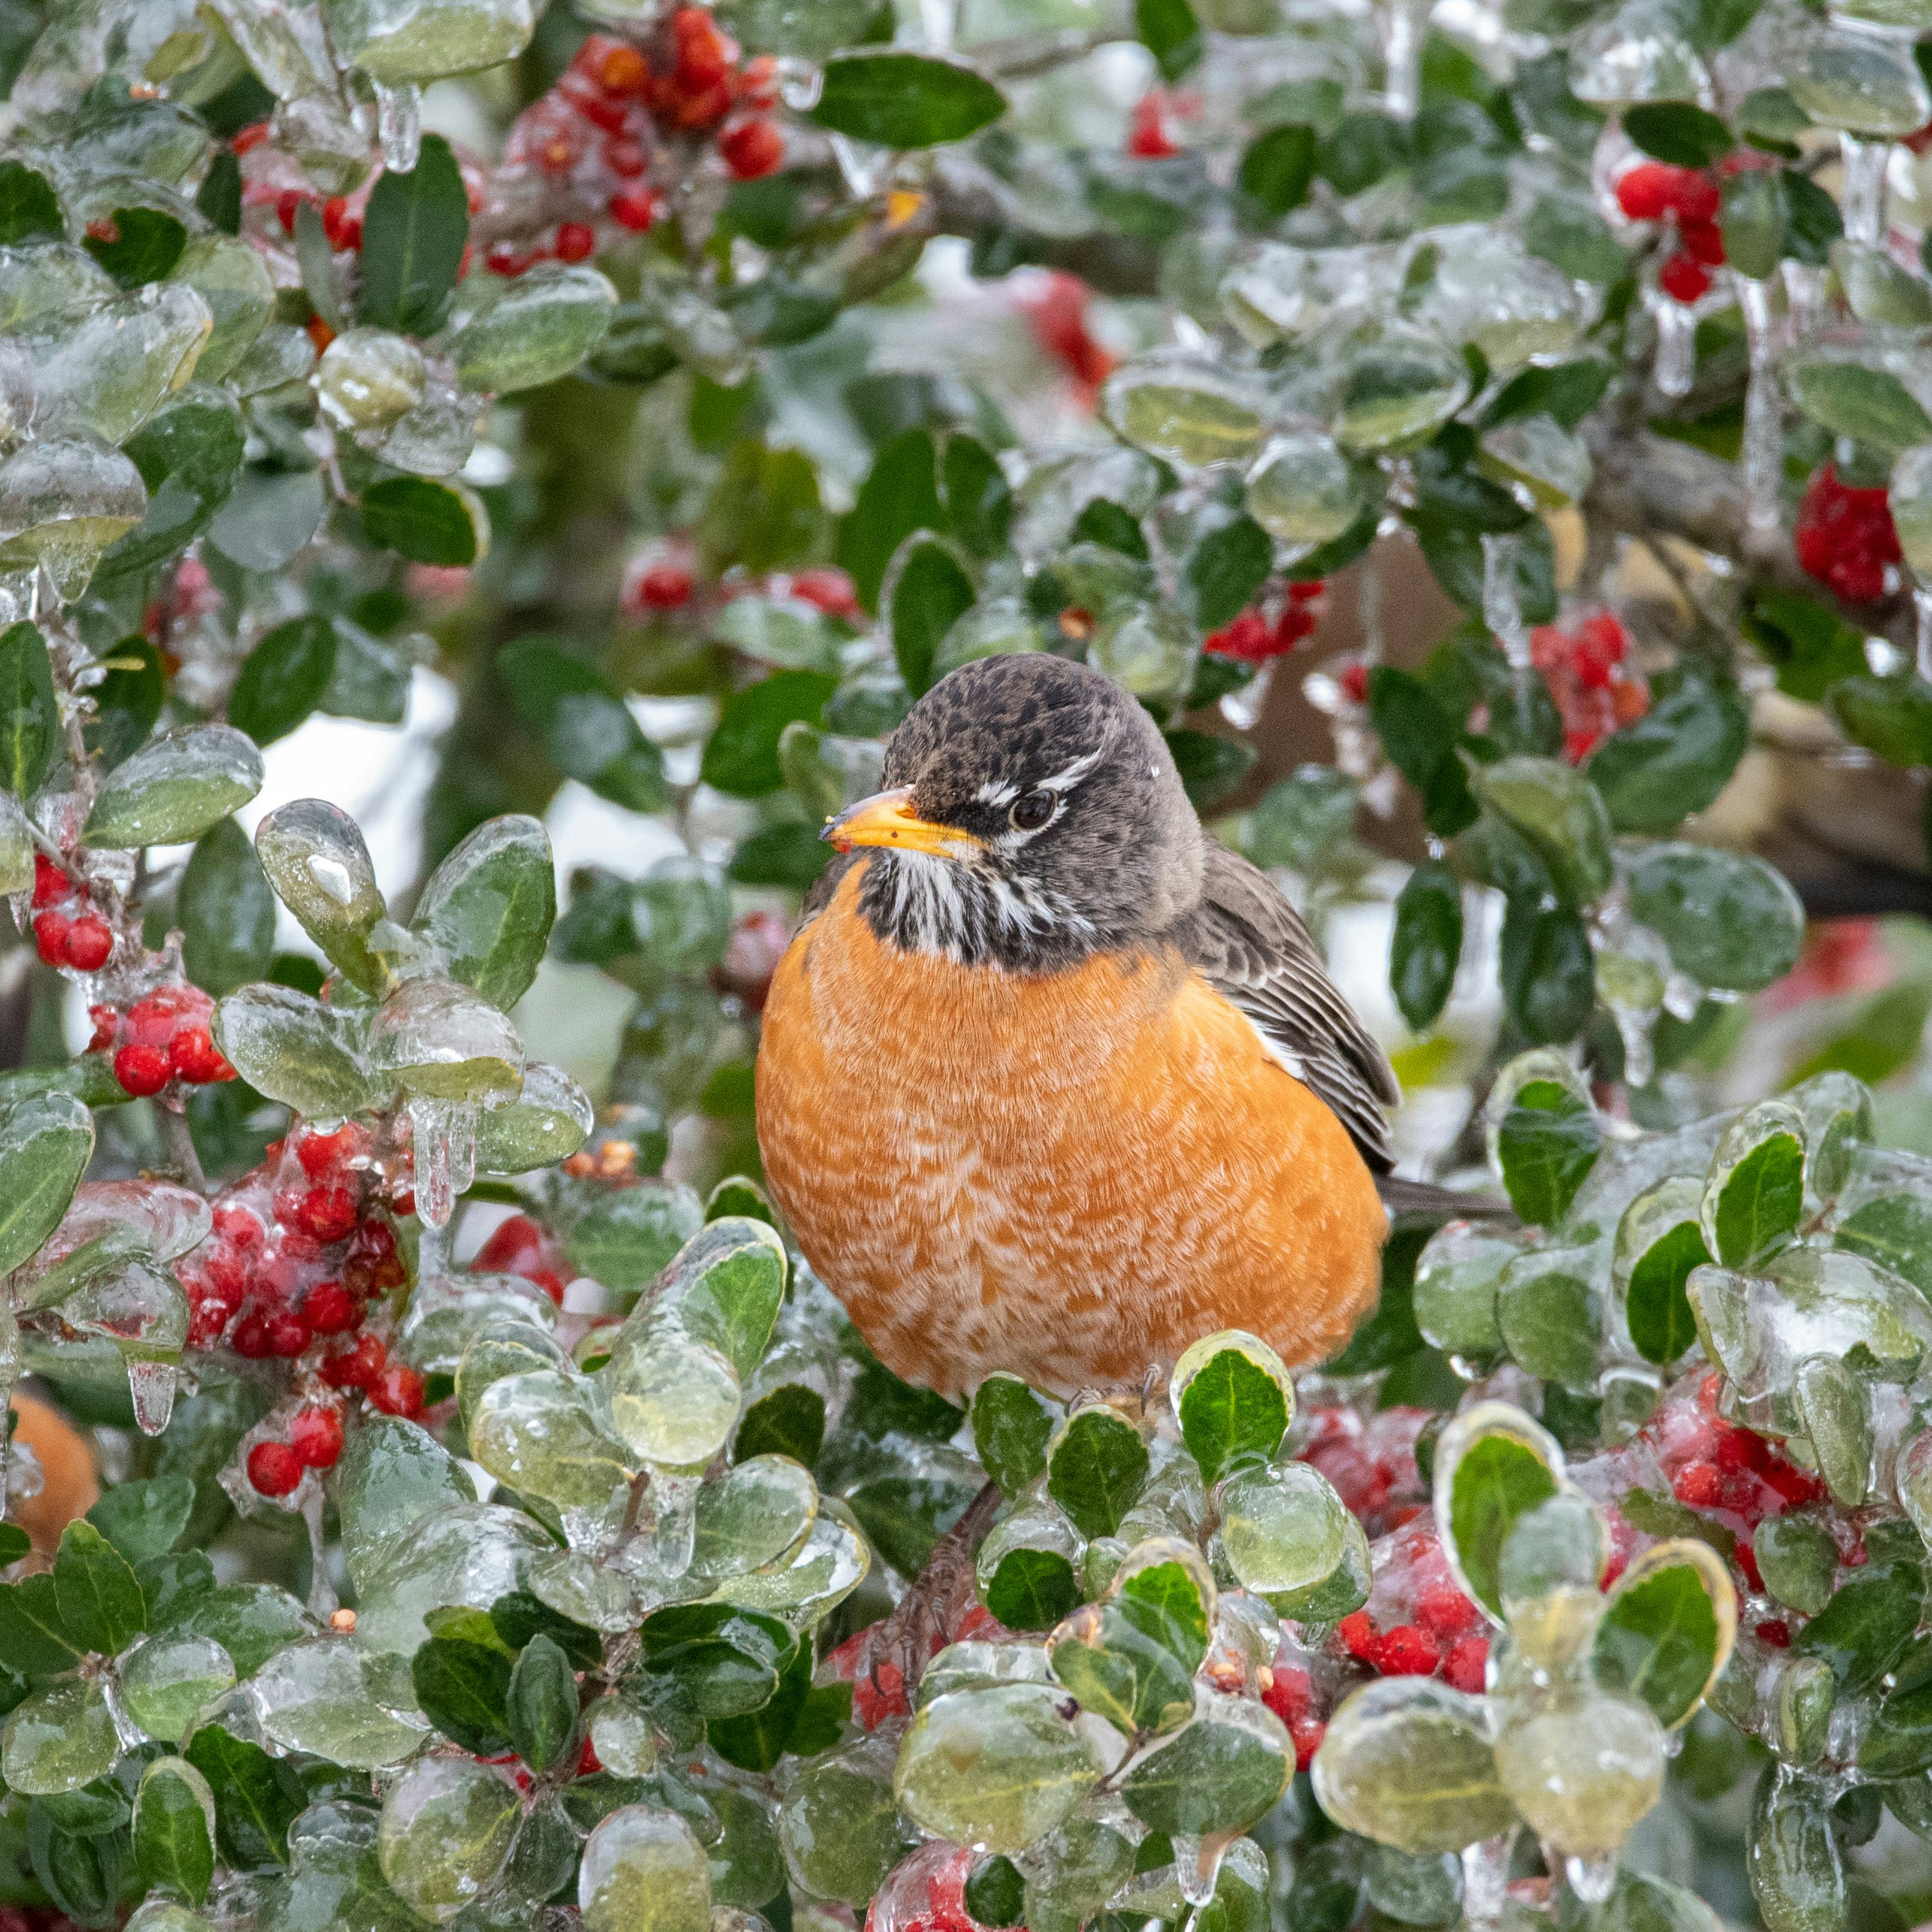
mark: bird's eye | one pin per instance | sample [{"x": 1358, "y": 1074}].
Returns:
[{"x": 1032, "y": 810}]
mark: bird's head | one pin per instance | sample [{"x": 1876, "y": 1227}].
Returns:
[{"x": 1032, "y": 814}]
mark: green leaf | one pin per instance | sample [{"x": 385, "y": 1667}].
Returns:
[
  {"x": 790, "y": 854},
  {"x": 1227, "y": 567},
  {"x": 1658, "y": 1641},
  {"x": 1419, "y": 737},
  {"x": 1162, "y": 1600},
  {"x": 900, "y": 495},
  {"x": 427, "y": 522},
  {"x": 1426, "y": 946},
  {"x": 1120, "y": 1672},
  {"x": 741, "y": 757},
  {"x": 226, "y": 909},
  {"x": 764, "y": 512},
  {"x": 1548, "y": 970},
  {"x": 519, "y": 1616},
  {"x": 1278, "y": 167},
  {"x": 219, "y": 197},
  {"x": 145, "y": 1519},
  {"x": 1169, "y": 32},
  {"x": 173, "y": 790},
  {"x": 1548, "y": 1142},
  {"x": 283, "y": 679},
  {"x": 1211, "y": 767},
  {"x": 489, "y": 906},
  {"x": 463, "y": 1690},
  {"x": 46, "y": 1142},
  {"x": 1012, "y": 1427},
  {"x": 1812, "y": 647},
  {"x": 1674, "y": 760},
  {"x": 1496, "y": 1480},
  {"x": 1862, "y": 1632},
  {"x": 101, "y": 1607},
  {"x": 1113, "y": 528},
  {"x": 127, "y": 702},
  {"x": 626, "y": 1237},
  {"x": 1763, "y": 1200},
  {"x": 1895, "y": 1231},
  {"x": 146, "y": 245},
  {"x": 1730, "y": 920},
  {"x": 586, "y": 728},
  {"x": 28, "y": 206},
  {"x": 542, "y": 1704},
  {"x": 29, "y": 717},
  {"x": 1097, "y": 1467},
  {"x": 1676, "y": 132},
  {"x": 1656, "y": 1306},
  {"x": 14, "y": 1543},
  {"x": 978, "y": 500},
  {"x": 174, "y": 1829},
  {"x": 189, "y": 454},
  {"x": 1890, "y": 715},
  {"x": 931, "y": 594},
  {"x": 1232, "y": 1412},
  {"x": 729, "y": 1660},
  {"x": 789, "y": 1421},
  {"x": 1217, "y": 1777},
  {"x": 414, "y": 231},
  {"x": 758, "y": 1739},
  {"x": 33, "y": 1639},
  {"x": 1566, "y": 392},
  {"x": 256, "y": 1797},
  {"x": 1870, "y": 406},
  {"x": 904, "y": 100},
  {"x": 1032, "y": 1589},
  {"x": 995, "y": 1893}
]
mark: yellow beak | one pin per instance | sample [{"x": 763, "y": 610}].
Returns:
[{"x": 887, "y": 819}]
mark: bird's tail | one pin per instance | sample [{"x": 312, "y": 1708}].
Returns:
[{"x": 1422, "y": 1200}]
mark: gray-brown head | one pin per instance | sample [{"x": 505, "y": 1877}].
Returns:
[{"x": 1032, "y": 815}]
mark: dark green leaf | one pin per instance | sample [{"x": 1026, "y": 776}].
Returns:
[
  {"x": 29, "y": 717},
  {"x": 1763, "y": 1200},
  {"x": 283, "y": 679},
  {"x": 1497, "y": 1480},
  {"x": 1730, "y": 920},
  {"x": 226, "y": 909},
  {"x": 586, "y": 728},
  {"x": 995, "y": 1893},
  {"x": 1120, "y": 1673},
  {"x": 789, "y": 1421},
  {"x": 1228, "y": 566},
  {"x": 14, "y": 1543},
  {"x": 1658, "y": 1642},
  {"x": 33, "y": 1641},
  {"x": 1211, "y": 767},
  {"x": 904, "y": 100},
  {"x": 756, "y": 1741},
  {"x": 464, "y": 1689},
  {"x": 1011, "y": 1426},
  {"x": 1566, "y": 392},
  {"x": 1214, "y": 1778},
  {"x": 1419, "y": 738},
  {"x": 1360, "y": 150},
  {"x": 1674, "y": 760},
  {"x": 101, "y": 1607},
  {"x": 542, "y": 1704},
  {"x": 979, "y": 500},
  {"x": 189, "y": 454},
  {"x": 1098, "y": 1467},
  {"x": 1278, "y": 167},
  {"x": 742, "y": 755},
  {"x": 425, "y": 521},
  {"x": 1032, "y": 1589},
  {"x": 1171, "y": 33},
  {"x": 414, "y": 231},
  {"x": 1870, "y": 1619},
  {"x": 1812, "y": 647},
  {"x": 28, "y": 205},
  {"x": 1232, "y": 1412},
  {"x": 790, "y": 853},
  {"x": 930, "y": 595},
  {"x": 219, "y": 197},
  {"x": 146, "y": 244},
  {"x": 764, "y": 512},
  {"x": 1812, "y": 219},
  {"x": 1427, "y": 943},
  {"x": 1548, "y": 972},
  {"x": 1676, "y": 132},
  {"x": 1548, "y": 1142},
  {"x": 489, "y": 907},
  {"x": 256, "y": 1797},
  {"x": 1107, "y": 524},
  {"x": 1655, "y": 1304},
  {"x": 1890, "y": 715},
  {"x": 128, "y": 701},
  {"x": 520, "y": 1616},
  {"x": 83, "y": 1875},
  {"x": 729, "y": 1660},
  {"x": 145, "y": 1518},
  {"x": 1163, "y": 1601},
  {"x": 900, "y": 495},
  {"x": 173, "y": 1847}
]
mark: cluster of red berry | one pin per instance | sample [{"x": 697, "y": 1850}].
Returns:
[
  {"x": 1272, "y": 627},
  {"x": 1058, "y": 306},
  {"x": 1845, "y": 537},
  {"x": 67, "y": 931},
  {"x": 1586, "y": 667},
  {"x": 1370, "y": 1461},
  {"x": 926, "y": 1892},
  {"x": 1290, "y": 1693},
  {"x": 1151, "y": 135},
  {"x": 315, "y": 1442},
  {"x": 165, "y": 1036},
  {"x": 594, "y": 131},
  {"x": 1657, "y": 191},
  {"x": 664, "y": 578},
  {"x": 520, "y": 1246},
  {"x": 881, "y": 1694},
  {"x": 1417, "y": 1622}
]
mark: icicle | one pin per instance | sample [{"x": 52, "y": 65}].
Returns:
[
  {"x": 321, "y": 1598},
  {"x": 1636, "y": 1027},
  {"x": 1922, "y": 602},
  {"x": 1592, "y": 1879},
  {"x": 1197, "y": 1865},
  {"x": 937, "y": 18},
  {"x": 1404, "y": 22},
  {"x": 1486, "y": 1878},
  {"x": 151, "y": 1389},
  {"x": 1242, "y": 709},
  {"x": 433, "y": 1254},
  {"x": 442, "y": 1136},
  {"x": 1502, "y": 603},
  {"x": 399, "y": 123},
  {"x": 1763, "y": 454},
  {"x": 16, "y": 595},
  {"x": 1804, "y": 293},
  {"x": 1676, "y": 346},
  {"x": 1862, "y": 196},
  {"x": 859, "y": 176}
]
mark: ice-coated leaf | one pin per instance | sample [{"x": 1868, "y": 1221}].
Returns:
[
  {"x": 542, "y": 1704},
  {"x": 758, "y": 1512},
  {"x": 1097, "y": 1468},
  {"x": 1835, "y": 1413},
  {"x": 1426, "y": 946},
  {"x": 840, "y": 1823},
  {"x": 999, "y": 1767},
  {"x": 463, "y": 1686},
  {"x": 488, "y": 908},
  {"x": 1550, "y": 1314},
  {"x": 1729, "y": 920},
  {"x": 166, "y": 1681},
  {"x": 314, "y": 1696},
  {"x": 37, "y": 1643},
  {"x": 414, "y": 229},
  {"x": 904, "y": 100},
  {"x": 172, "y": 791},
  {"x": 427, "y": 520},
  {"x": 174, "y": 1829},
  {"x": 1284, "y": 1529},
  {"x": 446, "y": 1828},
  {"x": 31, "y": 717},
  {"x": 295, "y": 1049},
  {"x": 1456, "y": 1277},
  {"x": 1232, "y": 1397},
  {"x": 256, "y": 1797},
  {"x": 1011, "y": 1426},
  {"x": 1220, "y": 1774},
  {"x": 644, "y": 1871},
  {"x": 549, "y": 1119},
  {"x": 1755, "y": 1195},
  {"x": 392, "y": 1474},
  {"x": 542, "y": 1434},
  {"x": 1791, "y": 1853},
  {"x": 1659, "y": 1242},
  {"x": 226, "y": 910},
  {"x": 1582, "y": 1769},
  {"x": 1493, "y": 1464},
  {"x": 439, "y": 1041},
  {"x": 586, "y": 729},
  {"x": 46, "y": 1142},
  {"x": 251, "y": 1621},
  {"x": 58, "y": 1739},
  {"x": 507, "y": 335},
  {"x": 101, "y": 1607},
  {"x": 1667, "y": 1630},
  {"x": 1548, "y": 1138},
  {"x": 1562, "y": 815},
  {"x": 320, "y": 869},
  {"x": 1872, "y": 1615}
]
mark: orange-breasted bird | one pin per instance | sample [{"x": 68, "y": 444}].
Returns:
[{"x": 1050, "y": 1080}]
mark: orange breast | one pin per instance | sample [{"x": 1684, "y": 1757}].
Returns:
[{"x": 1071, "y": 1176}]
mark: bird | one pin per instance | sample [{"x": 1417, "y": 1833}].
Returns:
[{"x": 1050, "y": 1080}]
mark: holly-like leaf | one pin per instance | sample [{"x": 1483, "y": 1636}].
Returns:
[
  {"x": 1548, "y": 1141},
  {"x": 1674, "y": 131},
  {"x": 283, "y": 679},
  {"x": 1278, "y": 167},
  {"x": 464, "y": 1689},
  {"x": 425, "y": 521},
  {"x": 586, "y": 728},
  {"x": 1233, "y": 1411},
  {"x": 1761, "y": 1201},
  {"x": 900, "y": 495},
  {"x": 1012, "y": 1427},
  {"x": 931, "y": 593},
  {"x": 1032, "y": 1589},
  {"x": 174, "y": 1829},
  {"x": 904, "y": 100},
  {"x": 1496, "y": 1479},
  {"x": 226, "y": 908},
  {"x": 541, "y": 1703},
  {"x": 101, "y": 1607},
  {"x": 1666, "y": 1631},
  {"x": 145, "y": 1518},
  {"x": 145, "y": 244},
  {"x": 414, "y": 230},
  {"x": 1097, "y": 1467},
  {"x": 742, "y": 755},
  {"x": 29, "y": 717},
  {"x": 1656, "y": 1306},
  {"x": 1169, "y": 31},
  {"x": 256, "y": 1797},
  {"x": 1225, "y": 570}
]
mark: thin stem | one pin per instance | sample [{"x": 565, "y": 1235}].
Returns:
[{"x": 180, "y": 1141}]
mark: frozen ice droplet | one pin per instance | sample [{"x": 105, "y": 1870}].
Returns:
[
  {"x": 1762, "y": 456},
  {"x": 151, "y": 1390},
  {"x": 399, "y": 125},
  {"x": 1862, "y": 196},
  {"x": 1502, "y": 596},
  {"x": 443, "y": 1135},
  {"x": 1676, "y": 364},
  {"x": 62, "y": 502}
]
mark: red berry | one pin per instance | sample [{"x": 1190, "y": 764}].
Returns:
[
  {"x": 1149, "y": 139},
  {"x": 636, "y": 208},
  {"x": 830, "y": 591},
  {"x": 1845, "y": 537},
  {"x": 344, "y": 230},
  {"x": 1443, "y": 1609},
  {"x": 273, "y": 1468},
  {"x": 601, "y": 110},
  {"x": 250, "y": 1339},
  {"x": 504, "y": 260},
  {"x": 106, "y": 1023},
  {"x": 1774, "y": 1631},
  {"x": 1358, "y": 1633},
  {"x": 1652, "y": 189},
  {"x": 1291, "y": 1694},
  {"x": 1684, "y": 278},
  {"x": 398, "y": 1390},
  {"x": 575, "y": 242},
  {"x": 1468, "y": 1664},
  {"x": 327, "y": 1213},
  {"x": 624, "y": 158},
  {"x": 238, "y": 1226},
  {"x": 1407, "y": 1651},
  {"x": 1704, "y": 240},
  {"x": 51, "y": 885},
  {"x": 705, "y": 56},
  {"x": 252, "y": 135},
  {"x": 623, "y": 70},
  {"x": 588, "y": 1762},
  {"x": 141, "y": 1070},
  {"x": 1307, "y": 1733},
  {"x": 664, "y": 587},
  {"x": 288, "y": 203},
  {"x": 89, "y": 941},
  {"x": 323, "y": 1154},
  {"x": 50, "y": 934},
  {"x": 752, "y": 149},
  {"x": 1354, "y": 682},
  {"x": 329, "y": 1309},
  {"x": 288, "y": 1334},
  {"x": 1698, "y": 1484},
  {"x": 315, "y": 1435},
  {"x": 197, "y": 1059}
]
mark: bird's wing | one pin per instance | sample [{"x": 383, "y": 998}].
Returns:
[{"x": 1250, "y": 945}]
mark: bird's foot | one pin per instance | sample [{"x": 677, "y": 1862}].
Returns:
[
  {"x": 890, "y": 1658},
  {"x": 1139, "y": 1399}
]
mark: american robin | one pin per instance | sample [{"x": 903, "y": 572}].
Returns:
[{"x": 1050, "y": 1080}]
